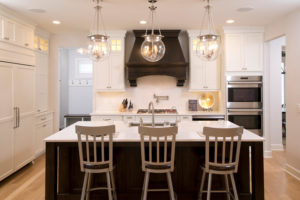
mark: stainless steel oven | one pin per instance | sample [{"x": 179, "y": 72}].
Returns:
[
  {"x": 251, "y": 119},
  {"x": 244, "y": 92}
]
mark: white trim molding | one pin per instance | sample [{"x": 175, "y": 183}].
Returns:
[
  {"x": 267, "y": 154},
  {"x": 292, "y": 171},
  {"x": 277, "y": 147}
]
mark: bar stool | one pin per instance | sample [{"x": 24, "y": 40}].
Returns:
[
  {"x": 227, "y": 164},
  {"x": 158, "y": 154},
  {"x": 91, "y": 161}
]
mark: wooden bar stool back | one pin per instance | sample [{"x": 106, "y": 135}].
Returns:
[
  {"x": 222, "y": 152},
  {"x": 158, "y": 155},
  {"x": 92, "y": 161}
]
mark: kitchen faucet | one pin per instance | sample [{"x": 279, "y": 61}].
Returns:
[{"x": 151, "y": 105}]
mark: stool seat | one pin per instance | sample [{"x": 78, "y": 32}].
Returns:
[
  {"x": 149, "y": 166},
  {"x": 96, "y": 166},
  {"x": 219, "y": 168}
]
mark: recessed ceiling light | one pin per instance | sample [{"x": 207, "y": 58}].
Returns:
[
  {"x": 143, "y": 22},
  {"x": 56, "y": 22},
  {"x": 230, "y": 21},
  {"x": 37, "y": 10},
  {"x": 245, "y": 9}
]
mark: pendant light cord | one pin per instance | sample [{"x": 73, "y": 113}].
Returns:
[{"x": 152, "y": 16}]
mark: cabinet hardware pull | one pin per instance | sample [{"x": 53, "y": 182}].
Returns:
[
  {"x": 44, "y": 125},
  {"x": 107, "y": 119},
  {"x": 44, "y": 118},
  {"x": 6, "y": 38},
  {"x": 18, "y": 117},
  {"x": 26, "y": 44},
  {"x": 16, "y": 120}
]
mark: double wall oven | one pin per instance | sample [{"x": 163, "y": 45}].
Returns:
[{"x": 245, "y": 102}]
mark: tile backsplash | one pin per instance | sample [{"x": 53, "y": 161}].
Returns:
[{"x": 141, "y": 95}]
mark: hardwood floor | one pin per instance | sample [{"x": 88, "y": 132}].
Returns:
[{"x": 28, "y": 183}]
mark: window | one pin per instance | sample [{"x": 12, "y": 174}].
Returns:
[
  {"x": 115, "y": 45},
  {"x": 195, "y": 42},
  {"x": 83, "y": 68}
]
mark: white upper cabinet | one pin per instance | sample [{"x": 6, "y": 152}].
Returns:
[
  {"x": 17, "y": 33},
  {"x": 203, "y": 75},
  {"x": 109, "y": 73},
  {"x": 8, "y": 29},
  {"x": 244, "y": 50}
]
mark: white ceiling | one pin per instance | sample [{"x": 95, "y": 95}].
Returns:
[{"x": 76, "y": 15}]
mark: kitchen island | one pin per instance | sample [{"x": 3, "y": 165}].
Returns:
[{"x": 64, "y": 178}]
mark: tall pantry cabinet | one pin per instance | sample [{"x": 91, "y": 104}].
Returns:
[{"x": 18, "y": 94}]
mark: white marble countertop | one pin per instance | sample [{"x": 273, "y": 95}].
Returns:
[
  {"x": 187, "y": 132},
  {"x": 186, "y": 113}
]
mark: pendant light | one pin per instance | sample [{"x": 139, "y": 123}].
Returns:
[
  {"x": 153, "y": 48},
  {"x": 209, "y": 43},
  {"x": 99, "y": 47}
]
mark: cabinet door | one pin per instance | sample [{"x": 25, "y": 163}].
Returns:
[
  {"x": 6, "y": 120},
  {"x": 234, "y": 51},
  {"x": 196, "y": 74},
  {"x": 8, "y": 30},
  {"x": 253, "y": 51},
  {"x": 24, "y": 138},
  {"x": 211, "y": 75},
  {"x": 101, "y": 75},
  {"x": 6, "y": 148},
  {"x": 24, "y": 89},
  {"x": 6, "y": 91},
  {"x": 117, "y": 72}
]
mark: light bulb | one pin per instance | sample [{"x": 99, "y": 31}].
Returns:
[
  {"x": 99, "y": 47},
  {"x": 153, "y": 49},
  {"x": 208, "y": 47}
]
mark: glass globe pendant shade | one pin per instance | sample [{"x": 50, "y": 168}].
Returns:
[
  {"x": 153, "y": 49},
  {"x": 99, "y": 47},
  {"x": 208, "y": 47}
]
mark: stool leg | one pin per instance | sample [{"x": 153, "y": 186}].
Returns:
[
  {"x": 227, "y": 187},
  {"x": 209, "y": 186},
  {"x": 83, "y": 191},
  {"x": 234, "y": 187},
  {"x": 88, "y": 186},
  {"x": 145, "y": 189},
  {"x": 108, "y": 186},
  {"x": 170, "y": 184},
  {"x": 113, "y": 185},
  {"x": 202, "y": 185}
]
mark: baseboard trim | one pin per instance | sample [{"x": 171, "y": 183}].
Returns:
[
  {"x": 267, "y": 154},
  {"x": 277, "y": 147},
  {"x": 292, "y": 171}
]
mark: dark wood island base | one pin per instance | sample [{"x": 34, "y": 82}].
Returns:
[{"x": 64, "y": 178}]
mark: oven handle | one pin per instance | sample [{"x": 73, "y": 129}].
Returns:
[
  {"x": 244, "y": 85},
  {"x": 245, "y": 82},
  {"x": 244, "y": 112}
]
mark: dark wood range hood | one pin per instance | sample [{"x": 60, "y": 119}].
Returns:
[{"x": 174, "y": 63}]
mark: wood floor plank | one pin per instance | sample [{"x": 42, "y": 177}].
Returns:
[{"x": 29, "y": 182}]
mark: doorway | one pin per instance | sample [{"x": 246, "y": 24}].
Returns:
[
  {"x": 277, "y": 71},
  {"x": 76, "y": 88}
]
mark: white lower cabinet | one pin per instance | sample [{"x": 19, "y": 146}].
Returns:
[
  {"x": 43, "y": 130},
  {"x": 6, "y": 148},
  {"x": 24, "y": 142}
]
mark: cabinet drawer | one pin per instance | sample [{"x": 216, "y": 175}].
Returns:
[
  {"x": 44, "y": 118},
  {"x": 107, "y": 118},
  {"x": 129, "y": 118},
  {"x": 186, "y": 118}
]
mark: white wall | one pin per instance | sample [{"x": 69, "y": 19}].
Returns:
[
  {"x": 143, "y": 94},
  {"x": 290, "y": 27},
  {"x": 66, "y": 40},
  {"x": 275, "y": 92}
]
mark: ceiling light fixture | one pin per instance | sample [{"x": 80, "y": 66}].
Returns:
[
  {"x": 230, "y": 21},
  {"x": 37, "y": 10},
  {"x": 209, "y": 43},
  {"x": 143, "y": 22},
  {"x": 56, "y": 22},
  {"x": 99, "y": 47},
  {"x": 245, "y": 9},
  {"x": 153, "y": 48}
]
